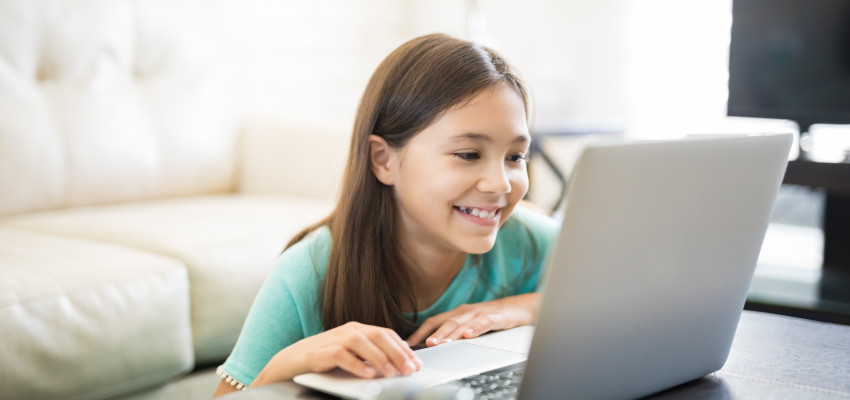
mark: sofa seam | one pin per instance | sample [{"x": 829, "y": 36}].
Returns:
[
  {"x": 139, "y": 383},
  {"x": 83, "y": 288}
]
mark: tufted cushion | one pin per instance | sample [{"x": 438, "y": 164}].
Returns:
[
  {"x": 107, "y": 101},
  {"x": 70, "y": 307},
  {"x": 228, "y": 244}
]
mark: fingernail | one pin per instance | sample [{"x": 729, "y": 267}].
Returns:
[
  {"x": 390, "y": 371},
  {"x": 417, "y": 360},
  {"x": 468, "y": 332},
  {"x": 369, "y": 371},
  {"x": 446, "y": 340},
  {"x": 434, "y": 340},
  {"x": 409, "y": 368}
]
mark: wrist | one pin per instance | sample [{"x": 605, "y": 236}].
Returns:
[
  {"x": 280, "y": 368},
  {"x": 533, "y": 307},
  {"x": 525, "y": 308}
]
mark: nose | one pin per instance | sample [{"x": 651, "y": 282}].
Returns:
[{"x": 495, "y": 180}]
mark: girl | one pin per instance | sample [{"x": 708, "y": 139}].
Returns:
[{"x": 426, "y": 241}]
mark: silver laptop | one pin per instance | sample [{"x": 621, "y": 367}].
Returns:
[{"x": 645, "y": 285}]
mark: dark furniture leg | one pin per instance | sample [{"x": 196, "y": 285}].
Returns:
[{"x": 835, "y": 282}]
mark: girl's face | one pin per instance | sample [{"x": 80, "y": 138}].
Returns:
[{"x": 458, "y": 180}]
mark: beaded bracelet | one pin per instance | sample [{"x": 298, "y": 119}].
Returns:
[{"x": 229, "y": 379}]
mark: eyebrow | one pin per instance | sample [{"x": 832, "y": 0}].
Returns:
[{"x": 480, "y": 137}]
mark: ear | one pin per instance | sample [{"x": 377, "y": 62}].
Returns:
[{"x": 381, "y": 159}]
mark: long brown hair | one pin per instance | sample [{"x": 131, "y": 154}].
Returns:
[{"x": 367, "y": 280}]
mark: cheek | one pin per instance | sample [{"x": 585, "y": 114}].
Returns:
[
  {"x": 447, "y": 180},
  {"x": 433, "y": 186},
  {"x": 519, "y": 183}
]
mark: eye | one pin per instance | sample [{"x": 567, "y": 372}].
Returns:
[
  {"x": 468, "y": 156},
  {"x": 517, "y": 158}
]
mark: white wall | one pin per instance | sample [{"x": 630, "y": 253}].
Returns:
[
  {"x": 652, "y": 65},
  {"x": 653, "y": 68},
  {"x": 305, "y": 62}
]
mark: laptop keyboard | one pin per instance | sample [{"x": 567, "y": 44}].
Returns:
[{"x": 502, "y": 383}]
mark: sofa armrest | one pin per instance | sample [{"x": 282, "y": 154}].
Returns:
[{"x": 281, "y": 159}]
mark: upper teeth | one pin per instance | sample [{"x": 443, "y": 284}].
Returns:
[{"x": 483, "y": 214}]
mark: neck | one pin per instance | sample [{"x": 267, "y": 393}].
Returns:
[{"x": 432, "y": 269}]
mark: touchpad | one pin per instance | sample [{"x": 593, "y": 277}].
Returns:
[{"x": 458, "y": 356}]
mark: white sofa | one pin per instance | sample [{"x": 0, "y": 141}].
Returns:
[{"x": 139, "y": 210}]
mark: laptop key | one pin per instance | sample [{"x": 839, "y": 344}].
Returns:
[{"x": 502, "y": 383}]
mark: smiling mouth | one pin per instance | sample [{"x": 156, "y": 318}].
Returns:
[{"x": 480, "y": 213}]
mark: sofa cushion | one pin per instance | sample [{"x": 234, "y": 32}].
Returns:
[
  {"x": 88, "y": 319},
  {"x": 228, "y": 243},
  {"x": 107, "y": 101}
]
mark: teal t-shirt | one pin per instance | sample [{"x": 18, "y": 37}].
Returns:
[{"x": 288, "y": 308}]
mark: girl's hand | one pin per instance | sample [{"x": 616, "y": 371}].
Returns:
[
  {"x": 363, "y": 350},
  {"x": 471, "y": 320}
]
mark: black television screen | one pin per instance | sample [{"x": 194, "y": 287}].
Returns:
[{"x": 790, "y": 59}]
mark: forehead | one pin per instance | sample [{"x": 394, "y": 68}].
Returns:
[{"x": 493, "y": 115}]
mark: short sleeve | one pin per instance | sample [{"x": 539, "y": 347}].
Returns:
[
  {"x": 284, "y": 311},
  {"x": 544, "y": 231},
  {"x": 524, "y": 246}
]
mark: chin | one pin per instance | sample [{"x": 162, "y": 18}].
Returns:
[{"x": 479, "y": 246}]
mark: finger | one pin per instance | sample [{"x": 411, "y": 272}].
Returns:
[
  {"x": 343, "y": 358},
  {"x": 426, "y": 329},
  {"x": 472, "y": 328},
  {"x": 406, "y": 348},
  {"x": 461, "y": 330},
  {"x": 361, "y": 344},
  {"x": 400, "y": 357},
  {"x": 441, "y": 335},
  {"x": 480, "y": 326}
]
